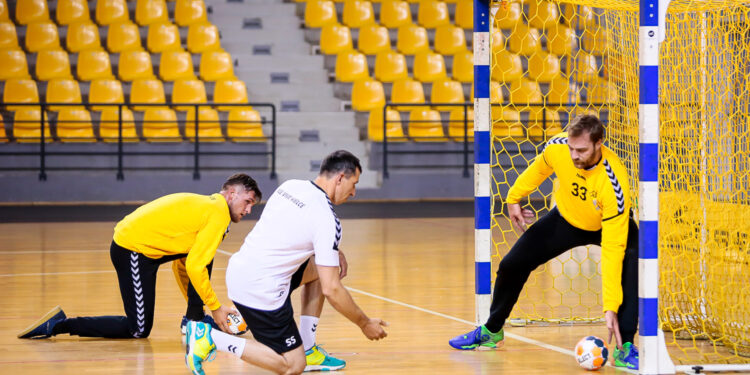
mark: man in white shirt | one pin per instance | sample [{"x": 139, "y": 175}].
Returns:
[{"x": 295, "y": 242}]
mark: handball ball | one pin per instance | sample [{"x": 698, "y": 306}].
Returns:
[
  {"x": 591, "y": 353},
  {"x": 236, "y": 324}
]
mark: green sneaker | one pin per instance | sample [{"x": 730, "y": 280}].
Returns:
[
  {"x": 627, "y": 357},
  {"x": 480, "y": 337}
]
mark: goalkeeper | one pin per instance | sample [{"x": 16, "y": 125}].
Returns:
[{"x": 593, "y": 207}]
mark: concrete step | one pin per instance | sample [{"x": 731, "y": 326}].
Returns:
[
  {"x": 259, "y": 8},
  {"x": 293, "y": 91},
  {"x": 263, "y": 62},
  {"x": 263, "y": 47},
  {"x": 295, "y": 77},
  {"x": 306, "y": 105}
]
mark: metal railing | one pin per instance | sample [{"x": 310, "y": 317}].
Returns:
[
  {"x": 465, "y": 138},
  {"x": 120, "y": 153}
]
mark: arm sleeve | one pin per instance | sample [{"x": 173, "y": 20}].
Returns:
[
  {"x": 202, "y": 253},
  {"x": 180, "y": 275},
  {"x": 326, "y": 239},
  {"x": 615, "y": 222},
  {"x": 530, "y": 179}
]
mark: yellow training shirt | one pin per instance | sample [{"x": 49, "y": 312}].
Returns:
[
  {"x": 598, "y": 198},
  {"x": 181, "y": 223}
]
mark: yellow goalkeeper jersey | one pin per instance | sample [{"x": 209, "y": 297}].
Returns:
[
  {"x": 181, "y": 223},
  {"x": 593, "y": 199}
]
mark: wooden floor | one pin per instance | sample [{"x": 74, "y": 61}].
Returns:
[{"x": 417, "y": 274}]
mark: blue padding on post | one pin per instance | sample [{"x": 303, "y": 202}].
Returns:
[
  {"x": 649, "y": 89},
  {"x": 483, "y": 277},
  {"x": 649, "y": 12},
  {"x": 482, "y": 147},
  {"x": 648, "y": 157},
  {"x": 648, "y": 237},
  {"x": 649, "y": 316},
  {"x": 481, "y": 16},
  {"x": 481, "y": 81},
  {"x": 482, "y": 212}
]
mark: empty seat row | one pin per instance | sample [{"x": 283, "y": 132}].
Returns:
[
  {"x": 428, "y": 66},
  {"x": 375, "y": 38},
  {"x": 103, "y": 92},
  {"x": 147, "y": 12},
  {"x": 121, "y": 37},
  {"x": 159, "y": 125},
  {"x": 132, "y": 65},
  {"x": 358, "y": 13}
]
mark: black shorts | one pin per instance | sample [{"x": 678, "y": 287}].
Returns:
[{"x": 276, "y": 328}]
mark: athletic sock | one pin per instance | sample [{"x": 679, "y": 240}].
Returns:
[
  {"x": 228, "y": 343},
  {"x": 61, "y": 327},
  {"x": 308, "y": 325}
]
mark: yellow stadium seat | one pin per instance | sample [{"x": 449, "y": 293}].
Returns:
[
  {"x": 190, "y": 12},
  {"x": 447, "y": 91},
  {"x": 367, "y": 94},
  {"x": 543, "y": 67},
  {"x": 147, "y": 91},
  {"x": 209, "y": 128},
  {"x": 561, "y": 40},
  {"x": 109, "y": 126},
  {"x": 465, "y": 14},
  {"x": 319, "y": 13},
  {"x": 351, "y": 66},
  {"x": 412, "y": 39},
  {"x": 229, "y": 91},
  {"x": 543, "y": 123},
  {"x": 4, "y": 16},
  {"x": 74, "y": 125},
  {"x": 449, "y": 40},
  {"x": 498, "y": 40},
  {"x": 42, "y": 36},
  {"x": 245, "y": 125},
  {"x": 524, "y": 92},
  {"x": 109, "y": 12},
  {"x": 587, "y": 70},
  {"x": 429, "y": 66},
  {"x": 72, "y": 11},
  {"x": 390, "y": 66},
  {"x": 506, "y": 123},
  {"x": 176, "y": 65},
  {"x": 123, "y": 37},
  {"x": 579, "y": 16},
  {"x": 394, "y": 14},
  {"x": 3, "y": 135},
  {"x": 358, "y": 13},
  {"x": 335, "y": 38},
  {"x": 407, "y": 90},
  {"x": 136, "y": 65},
  {"x": 463, "y": 67},
  {"x": 216, "y": 65},
  {"x": 94, "y": 65},
  {"x": 105, "y": 91},
  {"x": 20, "y": 91},
  {"x": 30, "y": 11},
  {"x": 63, "y": 91},
  {"x": 203, "y": 38},
  {"x": 188, "y": 91},
  {"x": 506, "y": 67},
  {"x": 509, "y": 15},
  {"x": 148, "y": 12},
  {"x": 432, "y": 13},
  {"x": 8, "y": 36},
  {"x": 425, "y": 125},
  {"x": 600, "y": 92},
  {"x": 543, "y": 14},
  {"x": 373, "y": 39},
  {"x": 83, "y": 36},
  {"x": 456, "y": 128},
  {"x": 52, "y": 65},
  {"x": 27, "y": 124},
  {"x": 160, "y": 125},
  {"x": 163, "y": 37},
  {"x": 524, "y": 41},
  {"x": 496, "y": 94},
  {"x": 561, "y": 94},
  {"x": 394, "y": 130},
  {"x": 595, "y": 41}
]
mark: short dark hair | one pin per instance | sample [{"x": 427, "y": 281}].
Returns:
[
  {"x": 587, "y": 123},
  {"x": 340, "y": 161},
  {"x": 246, "y": 181}
]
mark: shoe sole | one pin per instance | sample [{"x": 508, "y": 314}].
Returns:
[
  {"x": 482, "y": 347},
  {"x": 57, "y": 309},
  {"x": 323, "y": 368}
]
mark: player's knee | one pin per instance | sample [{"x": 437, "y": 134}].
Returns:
[{"x": 295, "y": 368}]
